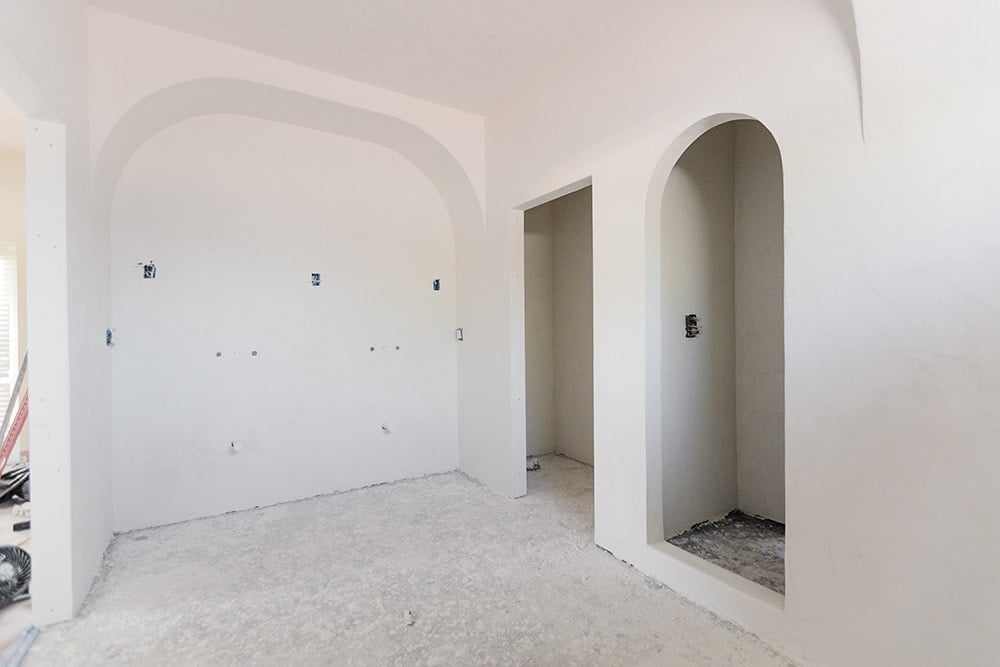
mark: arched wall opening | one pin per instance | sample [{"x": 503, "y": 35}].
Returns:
[
  {"x": 719, "y": 371},
  {"x": 322, "y": 388},
  {"x": 370, "y": 352}
]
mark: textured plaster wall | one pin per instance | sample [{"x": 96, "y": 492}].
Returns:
[
  {"x": 908, "y": 397},
  {"x": 558, "y": 305},
  {"x": 723, "y": 391},
  {"x": 132, "y": 60},
  {"x": 446, "y": 145},
  {"x": 573, "y": 314},
  {"x": 618, "y": 135},
  {"x": 240, "y": 212},
  {"x": 889, "y": 305},
  {"x": 758, "y": 219},
  {"x": 539, "y": 338},
  {"x": 698, "y": 378}
]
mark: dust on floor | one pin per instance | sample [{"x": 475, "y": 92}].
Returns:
[{"x": 435, "y": 570}]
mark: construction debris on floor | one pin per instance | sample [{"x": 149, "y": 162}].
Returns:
[
  {"x": 438, "y": 570},
  {"x": 752, "y": 547},
  {"x": 15, "y": 482}
]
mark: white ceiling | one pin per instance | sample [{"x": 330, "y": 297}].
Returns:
[
  {"x": 11, "y": 127},
  {"x": 462, "y": 53}
]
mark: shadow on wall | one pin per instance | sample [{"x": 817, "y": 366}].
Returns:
[
  {"x": 684, "y": 435},
  {"x": 843, "y": 13}
]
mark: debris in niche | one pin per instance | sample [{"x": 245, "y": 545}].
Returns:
[
  {"x": 533, "y": 464},
  {"x": 315, "y": 280},
  {"x": 109, "y": 337},
  {"x": 437, "y": 284}
]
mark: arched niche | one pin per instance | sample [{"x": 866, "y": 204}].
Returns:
[
  {"x": 715, "y": 415},
  {"x": 169, "y": 108}
]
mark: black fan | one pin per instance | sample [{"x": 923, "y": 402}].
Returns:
[{"x": 15, "y": 573}]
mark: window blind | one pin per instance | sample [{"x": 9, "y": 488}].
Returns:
[{"x": 8, "y": 320}]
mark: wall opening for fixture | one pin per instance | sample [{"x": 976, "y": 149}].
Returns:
[
  {"x": 722, "y": 380},
  {"x": 559, "y": 344}
]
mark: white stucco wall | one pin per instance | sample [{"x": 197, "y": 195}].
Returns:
[
  {"x": 889, "y": 300},
  {"x": 573, "y": 317},
  {"x": 539, "y": 339},
  {"x": 890, "y": 303},
  {"x": 758, "y": 220},
  {"x": 698, "y": 376},
  {"x": 722, "y": 392},
  {"x": 237, "y": 213},
  {"x": 619, "y": 131},
  {"x": 558, "y": 310}
]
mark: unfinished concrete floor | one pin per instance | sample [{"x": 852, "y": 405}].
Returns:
[
  {"x": 751, "y": 547},
  {"x": 438, "y": 570}
]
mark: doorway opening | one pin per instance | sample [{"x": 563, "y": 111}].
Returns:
[
  {"x": 559, "y": 343},
  {"x": 15, "y": 527},
  {"x": 722, "y": 338}
]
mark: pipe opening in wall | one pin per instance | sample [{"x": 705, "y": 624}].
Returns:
[{"x": 722, "y": 375}]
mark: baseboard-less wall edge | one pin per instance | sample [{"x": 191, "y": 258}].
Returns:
[
  {"x": 253, "y": 508},
  {"x": 754, "y": 608}
]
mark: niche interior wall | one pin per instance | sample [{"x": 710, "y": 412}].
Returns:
[
  {"x": 324, "y": 384},
  {"x": 722, "y": 376},
  {"x": 559, "y": 341}
]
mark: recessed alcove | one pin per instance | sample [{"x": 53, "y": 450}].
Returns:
[{"x": 722, "y": 354}]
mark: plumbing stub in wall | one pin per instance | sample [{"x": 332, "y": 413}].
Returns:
[{"x": 691, "y": 326}]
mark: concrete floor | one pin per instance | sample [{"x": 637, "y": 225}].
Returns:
[
  {"x": 438, "y": 570},
  {"x": 751, "y": 547}
]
